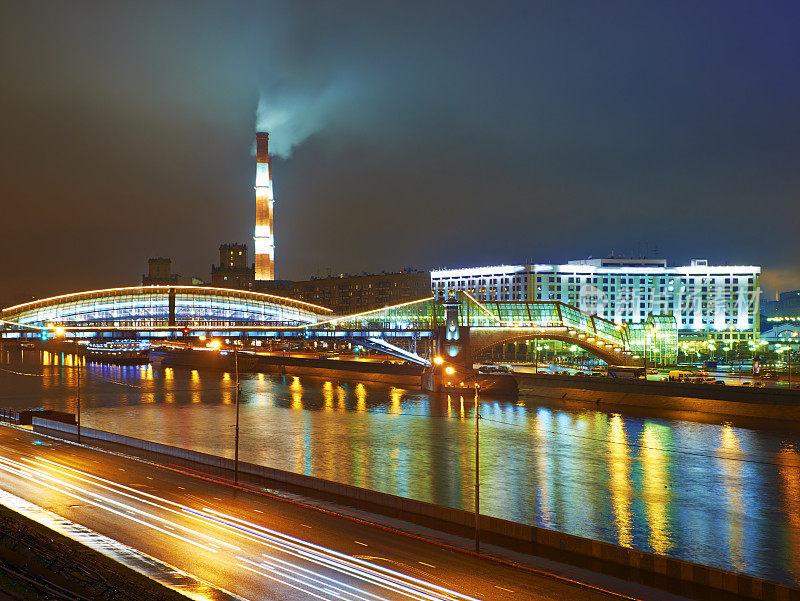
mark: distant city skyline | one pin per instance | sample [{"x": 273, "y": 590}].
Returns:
[{"x": 404, "y": 136}]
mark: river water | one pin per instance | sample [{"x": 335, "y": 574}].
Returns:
[{"x": 711, "y": 492}]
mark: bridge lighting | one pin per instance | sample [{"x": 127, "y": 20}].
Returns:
[
  {"x": 214, "y": 345},
  {"x": 449, "y": 370},
  {"x": 60, "y": 332},
  {"x": 202, "y": 338},
  {"x": 438, "y": 360}
]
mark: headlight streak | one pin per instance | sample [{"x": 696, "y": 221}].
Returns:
[
  {"x": 169, "y": 575},
  {"x": 36, "y": 477},
  {"x": 361, "y": 570},
  {"x": 260, "y": 573},
  {"x": 316, "y": 577},
  {"x": 52, "y": 465},
  {"x": 337, "y": 560}
]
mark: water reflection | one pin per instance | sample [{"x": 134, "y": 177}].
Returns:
[
  {"x": 789, "y": 472},
  {"x": 712, "y": 493},
  {"x": 654, "y": 462},
  {"x": 619, "y": 481},
  {"x": 731, "y": 461}
]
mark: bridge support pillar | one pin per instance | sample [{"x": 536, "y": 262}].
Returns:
[{"x": 452, "y": 362}]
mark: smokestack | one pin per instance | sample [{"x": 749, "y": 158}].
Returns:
[
  {"x": 264, "y": 236},
  {"x": 262, "y": 147}
]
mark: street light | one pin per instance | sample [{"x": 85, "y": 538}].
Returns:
[
  {"x": 61, "y": 332},
  {"x": 477, "y": 474},
  {"x": 236, "y": 443}
]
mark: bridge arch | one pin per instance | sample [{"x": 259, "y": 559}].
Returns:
[
  {"x": 482, "y": 339},
  {"x": 161, "y": 307}
]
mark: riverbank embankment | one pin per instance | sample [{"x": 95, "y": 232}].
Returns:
[{"x": 774, "y": 404}]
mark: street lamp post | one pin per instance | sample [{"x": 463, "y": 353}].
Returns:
[
  {"x": 78, "y": 388},
  {"x": 477, "y": 475},
  {"x": 61, "y": 332},
  {"x": 236, "y": 444}
]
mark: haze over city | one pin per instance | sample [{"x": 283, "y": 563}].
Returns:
[{"x": 414, "y": 134}]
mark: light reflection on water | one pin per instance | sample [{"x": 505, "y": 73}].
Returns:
[{"x": 713, "y": 493}]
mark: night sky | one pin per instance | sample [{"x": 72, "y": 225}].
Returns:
[{"x": 409, "y": 134}]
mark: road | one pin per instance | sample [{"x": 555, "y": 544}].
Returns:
[{"x": 254, "y": 546}]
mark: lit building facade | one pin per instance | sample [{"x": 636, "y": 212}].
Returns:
[
  {"x": 710, "y": 301},
  {"x": 264, "y": 235}
]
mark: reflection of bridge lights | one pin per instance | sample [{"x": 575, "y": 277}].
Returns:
[
  {"x": 449, "y": 370},
  {"x": 214, "y": 345}
]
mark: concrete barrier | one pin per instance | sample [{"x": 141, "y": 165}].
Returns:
[{"x": 667, "y": 573}]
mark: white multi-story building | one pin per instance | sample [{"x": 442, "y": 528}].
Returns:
[{"x": 712, "y": 301}]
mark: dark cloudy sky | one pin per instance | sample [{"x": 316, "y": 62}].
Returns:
[{"x": 420, "y": 134}]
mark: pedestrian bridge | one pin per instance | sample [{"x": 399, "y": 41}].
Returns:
[
  {"x": 150, "y": 310},
  {"x": 496, "y": 322},
  {"x": 165, "y": 311}
]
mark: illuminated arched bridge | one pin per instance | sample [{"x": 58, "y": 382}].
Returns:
[
  {"x": 495, "y": 322},
  {"x": 144, "y": 309},
  {"x": 159, "y": 311}
]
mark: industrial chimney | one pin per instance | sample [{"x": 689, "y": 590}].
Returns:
[{"x": 264, "y": 236}]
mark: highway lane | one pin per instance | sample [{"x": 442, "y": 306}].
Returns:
[{"x": 256, "y": 546}]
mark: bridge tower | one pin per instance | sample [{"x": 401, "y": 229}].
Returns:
[
  {"x": 452, "y": 363},
  {"x": 452, "y": 339}
]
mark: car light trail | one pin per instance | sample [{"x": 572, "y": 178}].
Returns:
[
  {"x": 39, "y": 477},
  {"x": 332, "y": 585},
  {"x": 138, "y": 496},
  {"x": 363, "y": 570},
  {"x": 313, "y": 582},
  {"x": 264, "y": 574},
  {"x": 276, "y": 563}
]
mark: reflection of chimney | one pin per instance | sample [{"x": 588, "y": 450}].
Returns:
[{"x": 264, "y": 236}]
